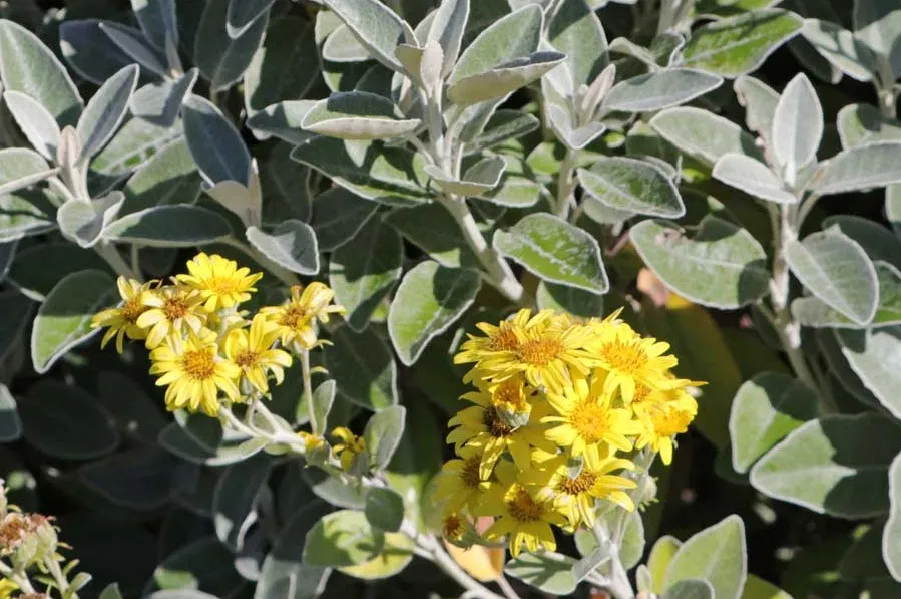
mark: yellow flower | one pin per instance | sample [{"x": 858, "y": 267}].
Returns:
[
  {"x": 219, "y": 281},
  {"x": 545, "y": 354},
  {"x": 350, "y": 447},
  {"x": 501, "y": 341},
  {"x": 576, "y": 497},
  {"x": 194, "y": 373},
  {"x": 296, "y": 319},
  {"x": 631, "y": 359},
  {"x": 587, "y": 422},
  {"x": 460, "y": 484},
  {"x": 483, "y": 426},
  {"x": 122, "y": 320},
  {"x": 252, "y": 351},
  {"x": 171, "y": 311},
  {"x": 7, "y": 588},
  {"x": 663, "y": 420},
  {"x": 521, "y": 516}
]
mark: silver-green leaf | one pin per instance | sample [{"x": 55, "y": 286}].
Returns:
[
  {"x": 292, "y": 245},
  {"x": 632, "y": 185},
  {"x": 358, "y": 115},
  {"x": 718, "y": 555}
]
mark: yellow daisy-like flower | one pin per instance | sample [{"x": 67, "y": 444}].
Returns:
[
  {"x": 576, "y": 497},
  {"x": 521, "y": 516},
  {"x": 123, "y": 320},
  {"x": 663, "y": 420},
  {"x": 631, "y": 359},
  {"x": 194, "y": 373},
  {"x": 296, "y": 319},
  {"x": 252, "y": 351},
  {"x": 483, "y": 426},
  {"x": 588, "y": 423},
  {"x": 460, "y": 484},
  {"x": 171, "y": 311},
  {"x": 350, "y": 447},
  {"x": 219, "y": 281},
  {"x": 500, "y": 342}
]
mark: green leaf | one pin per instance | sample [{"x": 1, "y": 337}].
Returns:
[
  {"x": 235, "y": 499},
  {"x": 375, "y": 25},
  {"x": 66, "y": 423},
  {"x": 343, "y": 538},
  {"x": 284, "y": 574},
  {"x": 432, "y": 229},
  {"x": 704, "y": 135},
  {"x": 36, "y": 270},
  {"x": 21, "y": 168},
  {"x": 214, "y": 142},
  {"x": 575, "y": 30},
  {"x": 111, "y": 591},
  {"x": 282, "y": 119},
  {"x": 169, "y": 226},
  {"x": 577, "y": 302},
  {"x": 878, "y": 25},
  {"x": 363, "y": 367},
  {"x": 662, "y": 553},
  {"x": 205, "y": 565},
  {"x": 89, "y": 51},
  {"x": 555, "y": 251},
  {"x": 30, "y": 67},
  {"x": 863, "y": 124},
  {"x": 364, "y": 271},
  {"x": 244, "y": 13},
  {"x": 759, "y": 100},
  {"x": 835, "y": 465},
  {"x": 479, "y": 179},
  {"x": 722, "y": 267},
  {"x": 142, "y": 479},
  {"x": 384, "y": 509},
  {"x": 812, "y": 312},
  {"x": 858, "y": 169},
  {"x": 221, "y": 58},
  {"x": 285, "y": 66},
  {"x": 10, "y": 423},
  {"x": 160, "y": 103},
  {"x": 717, "y": 555},
  {"x": 358, "y": 115},
  {"x": 104, "y": 113},
  {"x": 157, "y": 19},
  {"x": 891, "y": 534},
  {"x": 841, "y": 48},
  {"x": 831, "y": 350},
  {"x": 292, "y": 245},
  {"x": 758, "y": 588},
  {"x": 338, "y": 216},
  {"x": 739, "y": 45},
  {"x": 765, "y": 410},
  {"x": 371, "y": 170},
  {"x": 752, "y": 177},
  {"x": 383, "y": 434},
  {"x": 337, "y": 492},
  {"x": 690, "y": 589},
  {"x": 84, "y": 222},
  {"x": 874, "y": 356},
  {"x": 503, "y": 125},
  {"x": 428, "y": 301},
  {"x": 137, "y": 414},
  {"x": 24, "y": 213},
  {"x": 132, "y": 42},
  {"x": 417, "y": 459},
  {"x": 133, "y": 145},
  {"x": 663, "y": 89},
  {"x": 551, "y": 575},
  {"x": 797, "y": 125},
  {"x": 447, "y": 28},
  {"x": 394, "y": 557},
  {"x": 35, "y": 121},
  {"x": 176, "y": 441},
  {"x": 64, "y": 319},
  {"x": 501, "y": 58},
  {"x": 169, "y": 177},
  {"x": 342, "y": 46},
  {"x": 837, "y": 270},
  {"x": 632, "y": 185},
  {"x": 323, "y": 400}
]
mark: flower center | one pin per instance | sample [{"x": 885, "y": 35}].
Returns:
[
  {"x": 641, "y": 391},
  {"x": 294, "y": 317},
  {"x": 452, "y": 527},
  {"x": 199, "y": 364},
  {"x": 590, "y": 420},
  {"x": 503, "y": 339},
  {"x": 175, "y": 308},
  {"x": 470, "y": 475},
  {"x": 580, "y": 484},
  {"x": 523, "y": 508},
  {"x": 509, "y": 393},
  {"x": 247, "y": 358},
  {"x": 132, "y": 309},
  {"x": 495, "y": 424},
  {"x": 541, "y": 351},
  {"x": 626, "y": 357},
  {"x": 222, "y": 285}
]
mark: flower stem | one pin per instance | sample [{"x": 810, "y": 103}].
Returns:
[
  {"x": 18, "y": 577},
  {"x": 308, "y": 390},
  {"x": 618, "y": 584},
  {"x": 566, "y": 183}
]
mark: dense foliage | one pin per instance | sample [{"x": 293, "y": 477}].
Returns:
[{"x": 333, "y": 298}]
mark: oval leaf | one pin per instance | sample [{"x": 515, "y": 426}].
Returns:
[
  {"x": 752, "y": 177},
  {"x": 663, "y": 89},
  {"x": 859, "y": 169},
  {"x": 875, "y": 357},
  {"x": 376, "y": 26},
  {"x": 717, "y": 555},
  {"x": 704, "y": 135},
  {"x": 632, "y": 185},
  {"x": 555, "y": 251},
  {"x": 169, "y": 226},
  {"x": 343, "y": 538},
  {"x": 357, "y": 115},
  {"x": 363, "y": 367},
  {"x": 797, "y": 125},
  {"x": 221, "y": 58},
  {"x": 428, "y": 301},
  {"x": 292, "y": 245},
  {"x": 215, "y": 143}
]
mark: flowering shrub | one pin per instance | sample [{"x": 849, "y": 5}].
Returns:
[{"x": 520, "y": 298}]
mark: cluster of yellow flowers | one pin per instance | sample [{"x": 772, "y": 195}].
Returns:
[
  {"x": 561, "y": 407},
  {"x": 201, "y": 344}
]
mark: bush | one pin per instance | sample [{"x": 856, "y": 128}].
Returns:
[{"x": 262, "y": 258}]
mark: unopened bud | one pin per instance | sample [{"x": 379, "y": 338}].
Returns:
[
  {"x": 317, "y": 450},
  {"x": 69, "y": 149}
]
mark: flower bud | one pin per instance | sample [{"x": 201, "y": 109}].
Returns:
[
  {"x": 317, "y": 451},
  {"x": 27, "y": 538},
  {"x": 458, "y": 530}
]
